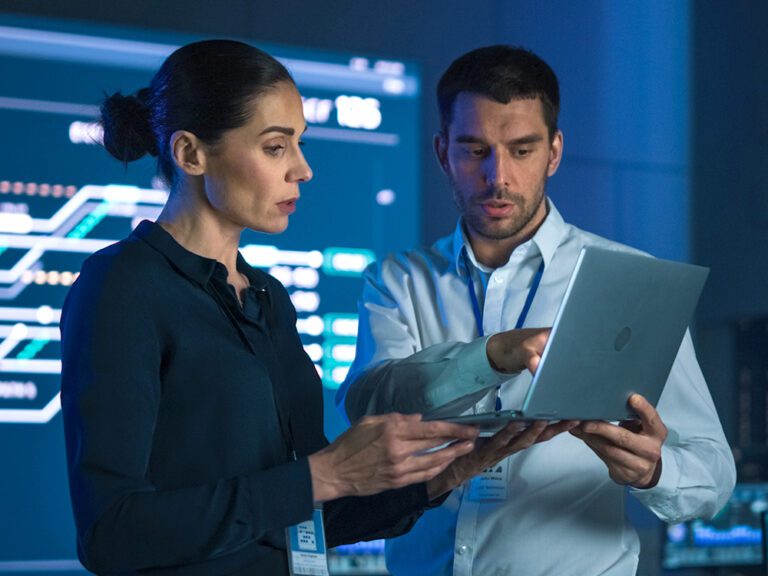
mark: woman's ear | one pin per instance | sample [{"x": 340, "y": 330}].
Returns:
[{"x": 188, "y": 152}]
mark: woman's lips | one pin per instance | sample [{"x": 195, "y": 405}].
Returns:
[{"x": 288, "y": 207}]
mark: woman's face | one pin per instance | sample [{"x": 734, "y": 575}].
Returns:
[{"x": 253, "y": 172}]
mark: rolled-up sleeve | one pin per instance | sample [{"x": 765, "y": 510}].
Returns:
[
  {"x": 698, "y": 472},
  {"x": 392, "y": 371}
]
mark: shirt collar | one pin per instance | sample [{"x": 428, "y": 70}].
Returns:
[
  {"x": 196, "y": 267},
  {"x": 546, "y": 239}
]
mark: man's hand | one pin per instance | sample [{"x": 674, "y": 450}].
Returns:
[
  {"x": 631, "y": 450},
  {"x": 515, "y": 350},
  {"x": 488, "y": 451}
]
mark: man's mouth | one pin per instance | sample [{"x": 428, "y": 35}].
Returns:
[{"x": 496, "y": 209}]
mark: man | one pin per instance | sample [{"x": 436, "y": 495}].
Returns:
[{"x": 557, "y": 507}]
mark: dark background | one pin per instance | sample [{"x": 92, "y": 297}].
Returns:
[{"x": 665, "y": 115}]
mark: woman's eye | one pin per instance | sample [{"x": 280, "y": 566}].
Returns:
[{"x": 274, "y": 150}]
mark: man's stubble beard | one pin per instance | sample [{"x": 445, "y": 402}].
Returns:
[{"x": 486, "y": 227}]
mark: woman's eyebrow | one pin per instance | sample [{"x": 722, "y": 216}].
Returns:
[{"x": 282, "y": 129}]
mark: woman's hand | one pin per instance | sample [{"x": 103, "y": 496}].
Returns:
[
  {"x": 488, "y": 451},
  {"x": 384, "y": 452}
]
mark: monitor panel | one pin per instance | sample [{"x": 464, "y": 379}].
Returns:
[{"x": 733, "y": 538}]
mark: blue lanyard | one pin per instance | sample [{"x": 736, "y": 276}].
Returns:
[{"x": 520, "y": 319}]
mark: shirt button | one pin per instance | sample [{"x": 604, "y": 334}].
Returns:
[
  {"x": 498, "y": 279},
  {"x": 461, "y": 550}
]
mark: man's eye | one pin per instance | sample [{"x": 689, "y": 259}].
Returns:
[
  {"x": 522, "y": 152},
  {"x": 475, "y": 152}
]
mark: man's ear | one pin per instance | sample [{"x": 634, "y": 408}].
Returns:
[
  {"x": 555, "y": 153},
  {"x": 188, "y": 153},
  {"x": 440, "y": 144}
]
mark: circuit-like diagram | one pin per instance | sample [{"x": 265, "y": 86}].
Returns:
[{"x": 29, "y": 378}]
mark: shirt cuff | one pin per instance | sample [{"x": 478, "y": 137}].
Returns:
[
  {"x": 294, "y": 481},
  {"x": 437, "y": 502},
  {"x": 666, "y": 488},
  {"x": 474, "y": 366}
]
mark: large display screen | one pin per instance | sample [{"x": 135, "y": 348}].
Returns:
[
  {"x": 733, "y": 538},
  {"x": 62, "y": 197}
]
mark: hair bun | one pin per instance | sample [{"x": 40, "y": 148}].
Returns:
[{"x": 128, "y": 133}]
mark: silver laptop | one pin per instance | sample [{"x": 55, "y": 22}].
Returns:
[{"x": 617, "y": 332}]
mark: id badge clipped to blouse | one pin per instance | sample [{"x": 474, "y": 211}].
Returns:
[
  {"x": 491, "y": 484},
  {"x": 307, "y": 553}
]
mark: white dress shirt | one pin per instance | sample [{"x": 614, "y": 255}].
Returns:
[{"x": 418, "y": 350}]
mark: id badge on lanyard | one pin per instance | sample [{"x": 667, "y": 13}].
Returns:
[
  {"x": 479, "y": 313},
  {"x": 307, "y": 552},
  {"x": 491, "y": 484},
  {"x": 305, "y": 541}
]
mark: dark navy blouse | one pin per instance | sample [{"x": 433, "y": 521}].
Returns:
[{"x": 181, "y": 410}]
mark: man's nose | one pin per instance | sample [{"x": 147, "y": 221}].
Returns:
[{"x": 498, "y": 172}]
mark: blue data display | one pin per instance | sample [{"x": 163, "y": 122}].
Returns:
[
  {"x": 733, "y": 538},
  {"x": 63, "y": 197}
]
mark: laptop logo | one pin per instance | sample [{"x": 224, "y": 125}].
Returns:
[{"x": 622, "y": 339}]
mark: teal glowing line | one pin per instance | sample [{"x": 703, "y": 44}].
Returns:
[
  {"x": 32, "y": 349},
  {"x": 90, "y": 222}
]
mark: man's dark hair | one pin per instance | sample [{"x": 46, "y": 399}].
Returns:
[{"x": 502, "y": 73}]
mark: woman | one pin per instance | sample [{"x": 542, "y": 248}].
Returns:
[{"x": 193, "y": 418}]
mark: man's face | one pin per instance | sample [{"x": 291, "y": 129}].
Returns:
[{"x": 498, "y": 158}]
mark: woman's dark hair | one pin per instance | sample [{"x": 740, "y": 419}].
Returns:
[
  {"x": 204, "y": 87},
  {"x": 502, "y": 73}
]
